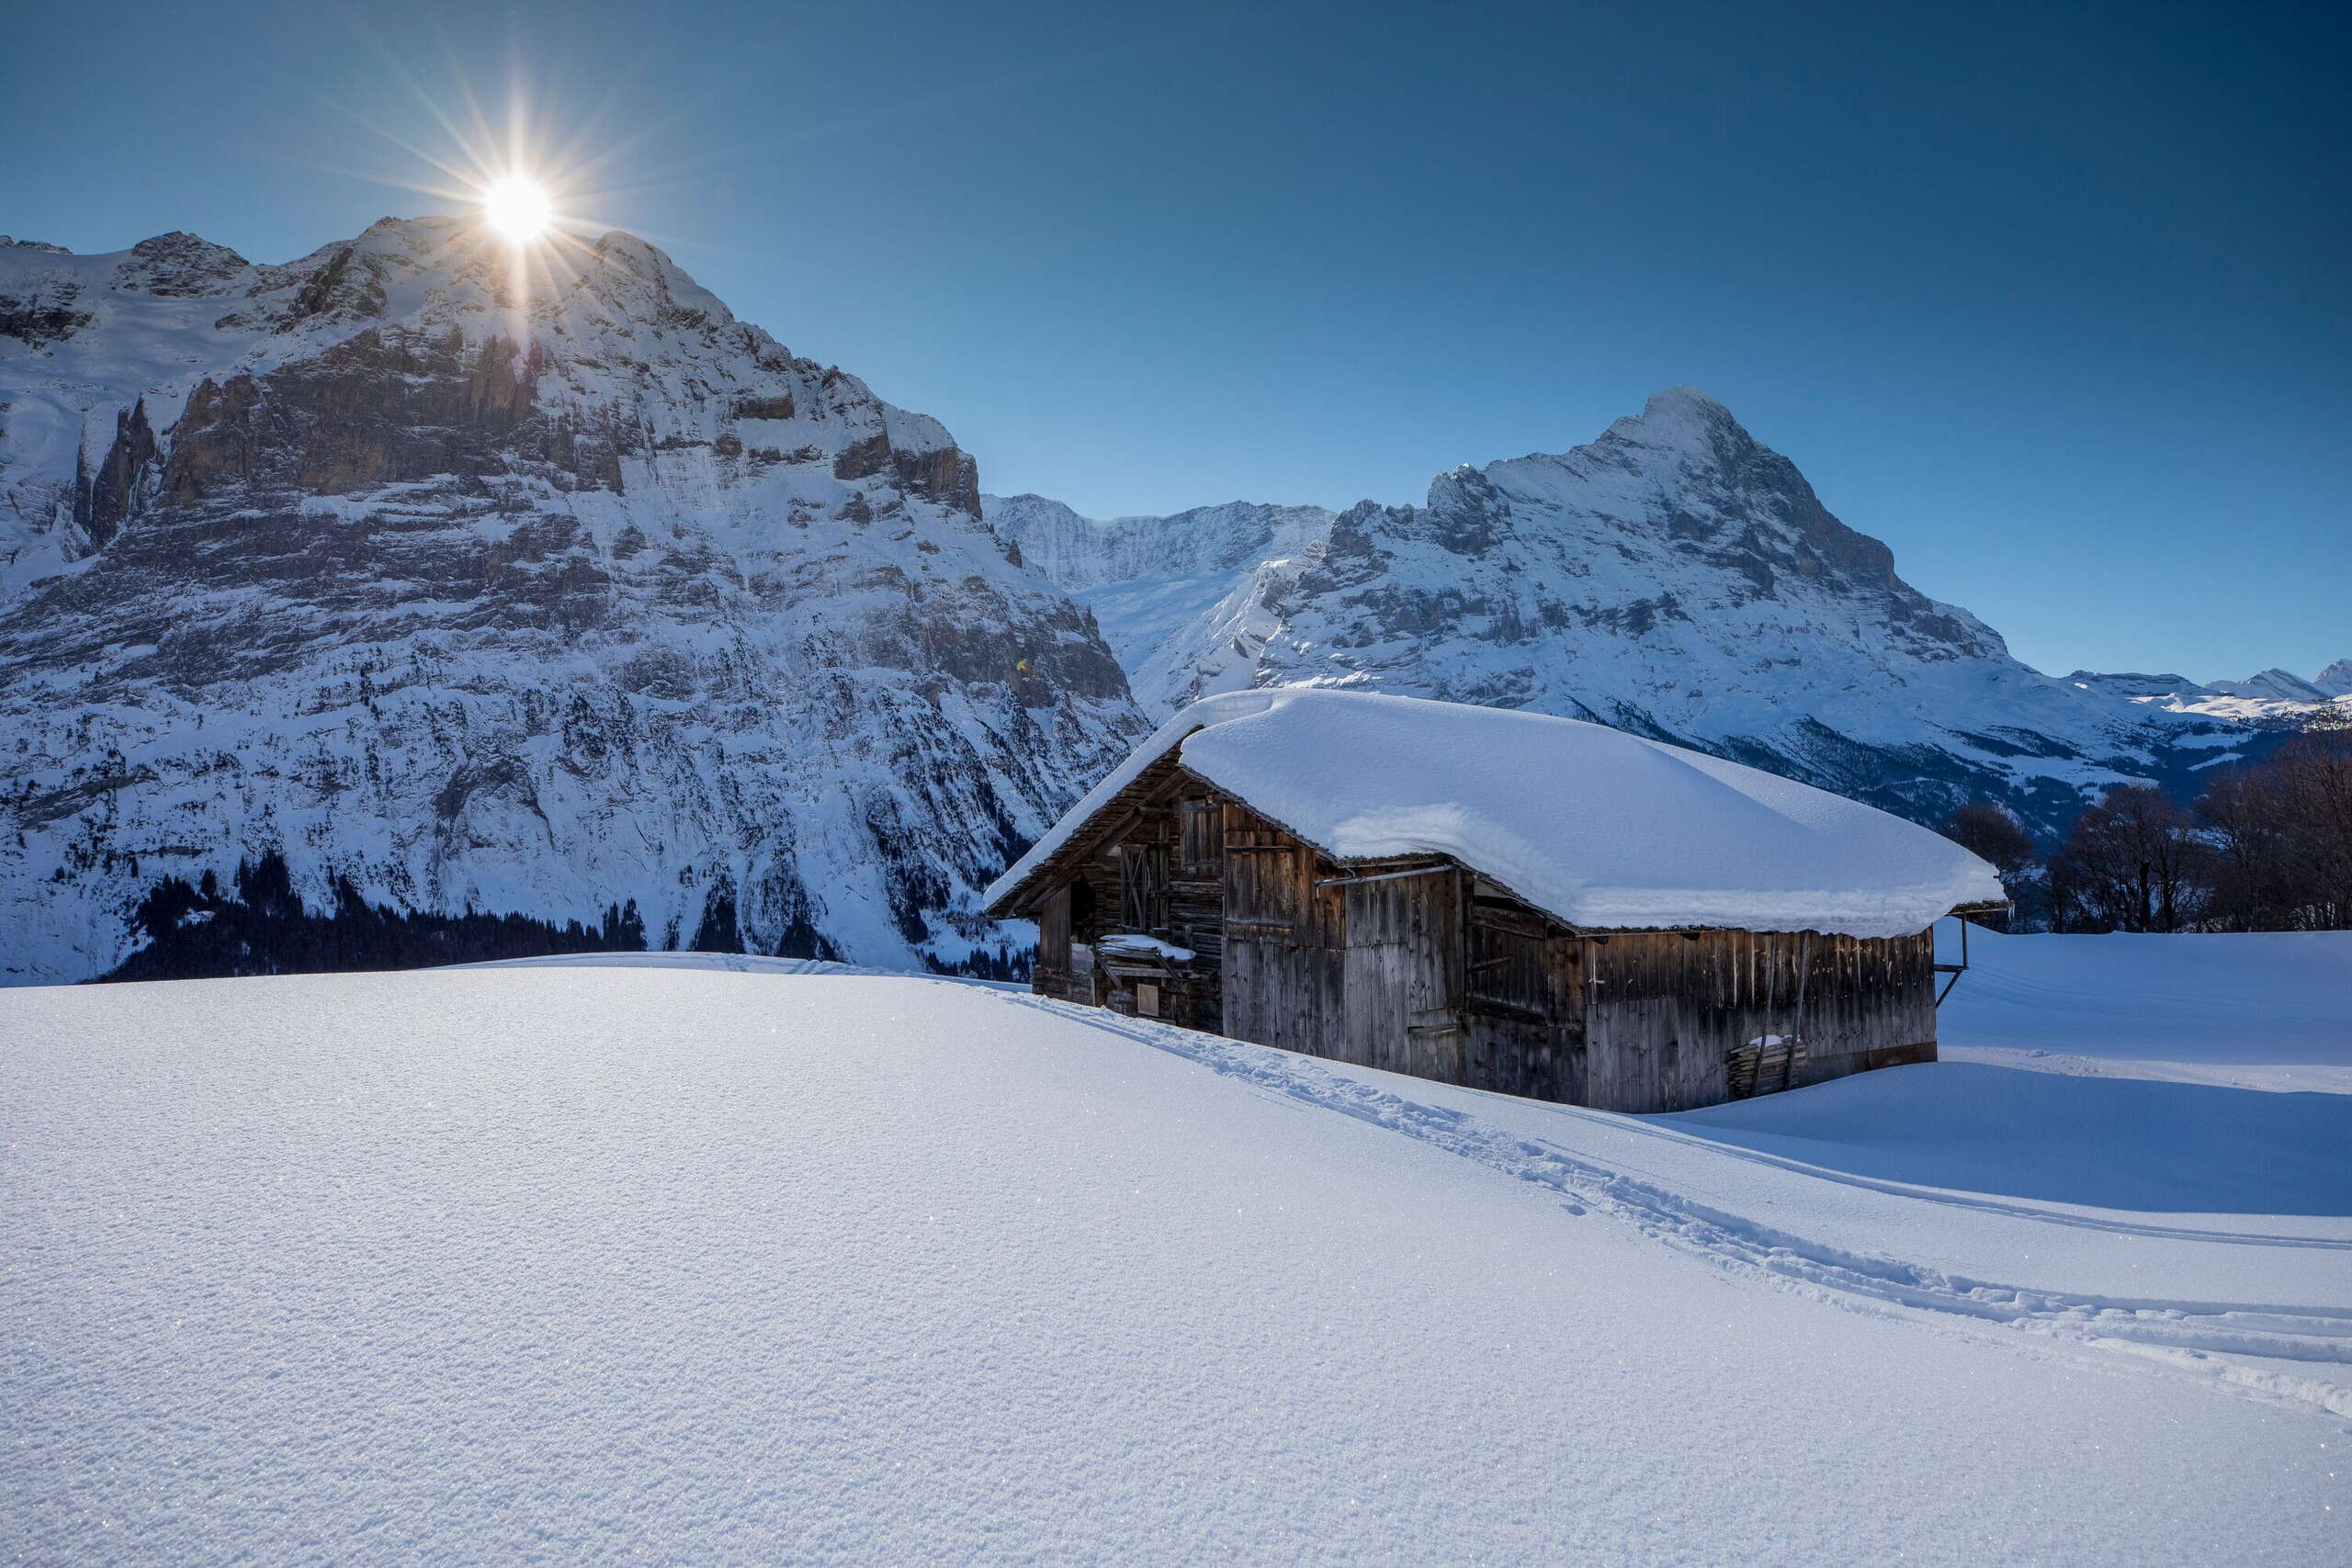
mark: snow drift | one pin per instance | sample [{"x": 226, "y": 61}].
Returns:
[{"x": 2259, "y": 1010}]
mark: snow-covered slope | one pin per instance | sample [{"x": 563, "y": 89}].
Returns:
[
  {"x": 2268, "y": 1010},
  {"x": 998, "y": 1279},
  {"x": 1674, "y": 578},
  {"x": 521, "y": 593},
  {"x": 577, "y": 1264}
]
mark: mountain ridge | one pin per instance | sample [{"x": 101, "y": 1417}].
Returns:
[{"x": 466, "y": 591}]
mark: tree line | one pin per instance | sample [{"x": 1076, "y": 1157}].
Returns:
[
  {"x": 2267, "y": 847},
  {"x": 256, "y": 923},
  {"x": 259, "y": 925}
]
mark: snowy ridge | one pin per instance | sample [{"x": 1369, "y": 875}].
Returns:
[
  {"x": 528, "y": 594},
  {"x": 1674, "y": 578},
  {"x": 2273, "y": 696},
  {"x": 1603, "y": 829}
]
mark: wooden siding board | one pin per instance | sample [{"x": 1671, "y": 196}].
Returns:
[{"x": 1401, "y": 1002}]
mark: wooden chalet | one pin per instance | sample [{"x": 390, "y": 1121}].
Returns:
[{"x": 1225, "y": 880}]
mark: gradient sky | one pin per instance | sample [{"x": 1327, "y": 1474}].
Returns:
[{"x": 2053, "y": 298}]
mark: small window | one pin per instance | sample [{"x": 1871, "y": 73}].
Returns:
[{"x": 1146, "y": 1000}]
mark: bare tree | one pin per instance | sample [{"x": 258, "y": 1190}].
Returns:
[
  {"x": 1983, "y": 830},
  {"x": 2132, "y": 863},
  {"x": 2281, "y": 833}
]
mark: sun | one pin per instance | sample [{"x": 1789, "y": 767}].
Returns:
[{"x": 517, "y": 207}]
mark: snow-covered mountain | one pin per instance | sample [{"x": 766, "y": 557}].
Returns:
[
  {"x": 1675, "y": 578},
  {"x": 514, "y": 593},
  {"x": 1180, "y": 599},
  {"x": 2274, "y": 696}
]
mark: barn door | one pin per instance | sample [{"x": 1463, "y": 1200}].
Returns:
[
  {"x": 1052, "y": 930},
  {"x": 1433, "y": 999}
]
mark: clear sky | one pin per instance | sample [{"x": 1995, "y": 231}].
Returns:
[{"x": 2052, "y": 298}]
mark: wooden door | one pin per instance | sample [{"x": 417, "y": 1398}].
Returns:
[{"x": 1052, "y": 930}]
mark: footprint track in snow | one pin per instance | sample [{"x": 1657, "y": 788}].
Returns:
[{"x": 2185, "y": 1336}]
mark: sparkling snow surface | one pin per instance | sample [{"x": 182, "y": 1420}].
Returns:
[
  {"x": 564, "y": 1263},
  {"x": 1604, "y": 830}
]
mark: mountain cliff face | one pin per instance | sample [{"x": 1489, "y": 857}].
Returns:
[
  {"x": 1674, "y": 578},
  {"x": 512, "y": 594}
]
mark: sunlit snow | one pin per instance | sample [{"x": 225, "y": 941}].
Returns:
[{"x": 704, "y": 1259}]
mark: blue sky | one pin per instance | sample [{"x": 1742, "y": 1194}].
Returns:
[{"x": 2048, "y": 298}]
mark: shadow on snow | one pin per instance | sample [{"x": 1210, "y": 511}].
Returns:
[{"x": 2109, "y": 1142}]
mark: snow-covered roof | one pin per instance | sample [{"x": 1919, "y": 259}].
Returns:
[{"x": 1601, "y": 829}]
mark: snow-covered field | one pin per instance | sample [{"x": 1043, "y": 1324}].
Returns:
[
  {"x": 2271, "y": 1010},
  {"x": 739, "y": 1262}
]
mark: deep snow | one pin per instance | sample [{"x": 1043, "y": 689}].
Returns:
[{"x": 562, "y": 1262}]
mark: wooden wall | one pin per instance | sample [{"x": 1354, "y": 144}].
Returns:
[
  {"x": 1669, "y": 1012},
  {"x": 1421, "y": 967}
]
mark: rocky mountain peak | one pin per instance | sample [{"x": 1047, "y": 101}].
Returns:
[
  {"x": 1679, "y": 418},
  {"x": 535, "y": 599}
]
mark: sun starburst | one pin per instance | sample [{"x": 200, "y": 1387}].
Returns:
[{"x": 518, "y": 206}]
